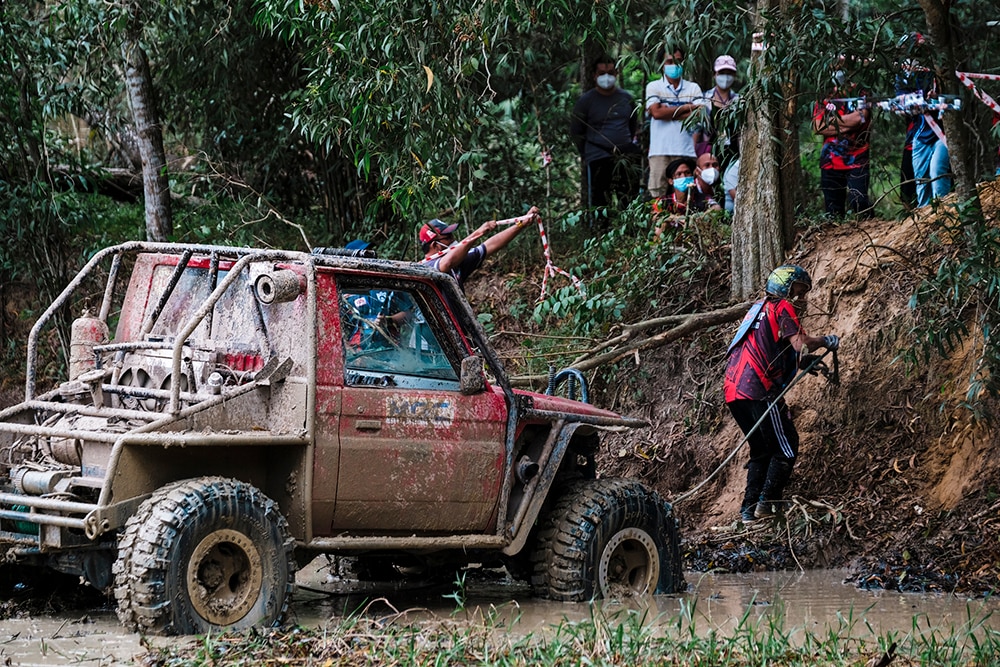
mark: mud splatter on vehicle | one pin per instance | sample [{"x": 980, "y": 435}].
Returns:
[{"x": 244, "y": 415}]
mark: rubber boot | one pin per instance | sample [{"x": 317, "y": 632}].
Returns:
[
  {"x": 756, "y": 476},
  {"x": 778, "y": 474}
]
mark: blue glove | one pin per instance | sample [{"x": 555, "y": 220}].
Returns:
[{"x": 831, "y": 342}]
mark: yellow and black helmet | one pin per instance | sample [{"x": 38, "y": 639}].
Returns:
[{"x": 780, "y": 282}]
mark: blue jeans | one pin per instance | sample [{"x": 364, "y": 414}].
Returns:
[{"x": 932, "y": 170}]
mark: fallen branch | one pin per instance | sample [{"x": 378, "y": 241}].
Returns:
[{"x": 687, "y": 324}]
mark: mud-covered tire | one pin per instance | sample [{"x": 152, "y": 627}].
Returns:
[
  {"x": 204, "y": 555},
  {"x": 608, "y": 538}
]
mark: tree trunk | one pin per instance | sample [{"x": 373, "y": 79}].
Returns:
[
  {"x": 946, "y": 60},
  {"x": 758, "y": 223},
  {"x": 630, "y": 342},
  {"x": 790, "y": 171},
  {"x": 156, "y": 186}
]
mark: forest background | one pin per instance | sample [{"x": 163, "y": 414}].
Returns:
[{"x": 304, "y": 123}]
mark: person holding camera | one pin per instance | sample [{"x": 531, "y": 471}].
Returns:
[
  {"x": 843, "y": 120},
  {"x": 670, "y": 100}
]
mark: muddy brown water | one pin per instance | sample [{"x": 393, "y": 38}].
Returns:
[{"x": 814, "y": 600}]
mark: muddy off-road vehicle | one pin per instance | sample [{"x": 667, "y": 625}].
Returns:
[{"x": 255, "y": 408}]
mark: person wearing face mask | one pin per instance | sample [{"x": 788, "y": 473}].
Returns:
[
  {"x": 670, "y": 209},
  {"x": 670, "y": 100},
  {"x": 717, "y": 135},
  {"x": 603, "y": 126},
  {"x": 701, "y": 195},
  {"x": 762, "y": 360}
]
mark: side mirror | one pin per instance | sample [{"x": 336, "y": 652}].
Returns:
[{"x": 473, "y": 379}]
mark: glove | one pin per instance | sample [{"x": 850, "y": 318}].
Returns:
[{"x": 831, "y": 342}]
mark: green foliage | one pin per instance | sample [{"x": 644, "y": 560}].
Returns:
[
  {"x": 439, "y": 102},
  {"x": 631, "y": 275},
  {"x": 961, "y": 301},
  {"x": 311, "y": 123}
]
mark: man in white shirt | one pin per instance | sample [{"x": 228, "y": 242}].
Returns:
[{"x": 670, "y": 100}]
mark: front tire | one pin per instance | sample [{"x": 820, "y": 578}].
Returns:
[
  {"x": 610, "y": 538},
  {"x": 204, "y": 555}
]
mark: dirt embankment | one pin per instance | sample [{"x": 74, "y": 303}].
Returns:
[{"x": 894, "y": 478}]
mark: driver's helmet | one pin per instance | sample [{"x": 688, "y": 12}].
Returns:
[{"x": 780, "y": 282}]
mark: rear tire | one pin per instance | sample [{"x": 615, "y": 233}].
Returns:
[
  {"x": 204, "y": 555},
  {"x": 609, "y": 538}
]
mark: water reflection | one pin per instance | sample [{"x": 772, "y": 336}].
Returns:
[{"x": 816, "y": 601}]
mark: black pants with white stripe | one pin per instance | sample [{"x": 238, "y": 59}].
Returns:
[{"x": 774, "y": 447}]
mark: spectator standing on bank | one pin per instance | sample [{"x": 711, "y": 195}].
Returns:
[
  {"x": 717, "y": 136},
  {"x": 604, "y": 128},
  {"x": 843, "y": 120},
  {"x": 911, "y": 78},
  {"x": 670, "y": 100},
  {"x": 763, "y": 359},
  {"x": 931, "y": 163}
]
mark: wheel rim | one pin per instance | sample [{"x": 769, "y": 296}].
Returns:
[
  {"x": 629, "y": 564},
  {"x": 224, "y": 577}
]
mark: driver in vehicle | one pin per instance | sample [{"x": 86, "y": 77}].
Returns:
[{"x": 375, "y": 319}]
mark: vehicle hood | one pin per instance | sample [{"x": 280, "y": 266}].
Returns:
[{"x": 559, "y": 404}]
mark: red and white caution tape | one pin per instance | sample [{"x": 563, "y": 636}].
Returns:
[
  {"x": 967, "y": 77},
  {"x": 552, "y": 269},
  {"x": 976, "y": 75}
]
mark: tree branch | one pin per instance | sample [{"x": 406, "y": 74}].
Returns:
[{"x": 625, "y": 344}]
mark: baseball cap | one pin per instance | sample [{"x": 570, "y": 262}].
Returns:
[
  {"x": 357, "y": 244},
  {"x": 434, "y": 229},
  {"x": 725, "y": 63}
]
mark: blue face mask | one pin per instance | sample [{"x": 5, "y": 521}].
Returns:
[
  {"x": 673, "y": 71},
  {"x": 682, "y": 183}
]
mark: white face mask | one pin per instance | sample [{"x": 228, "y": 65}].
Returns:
[
  {"x": 606, "y": 81},
  {"x": 725, "y": 81},
  {"x": 710, "y": 175}
]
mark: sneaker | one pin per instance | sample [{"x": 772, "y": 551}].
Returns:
[
  {"x": 748, "y": 514},
  {"x": 764, "y": 510}
]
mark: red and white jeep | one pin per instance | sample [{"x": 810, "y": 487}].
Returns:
[{"x": 255, "y": 408}]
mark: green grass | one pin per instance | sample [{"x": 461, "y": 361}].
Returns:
[{"x": 620, "y": 638}]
